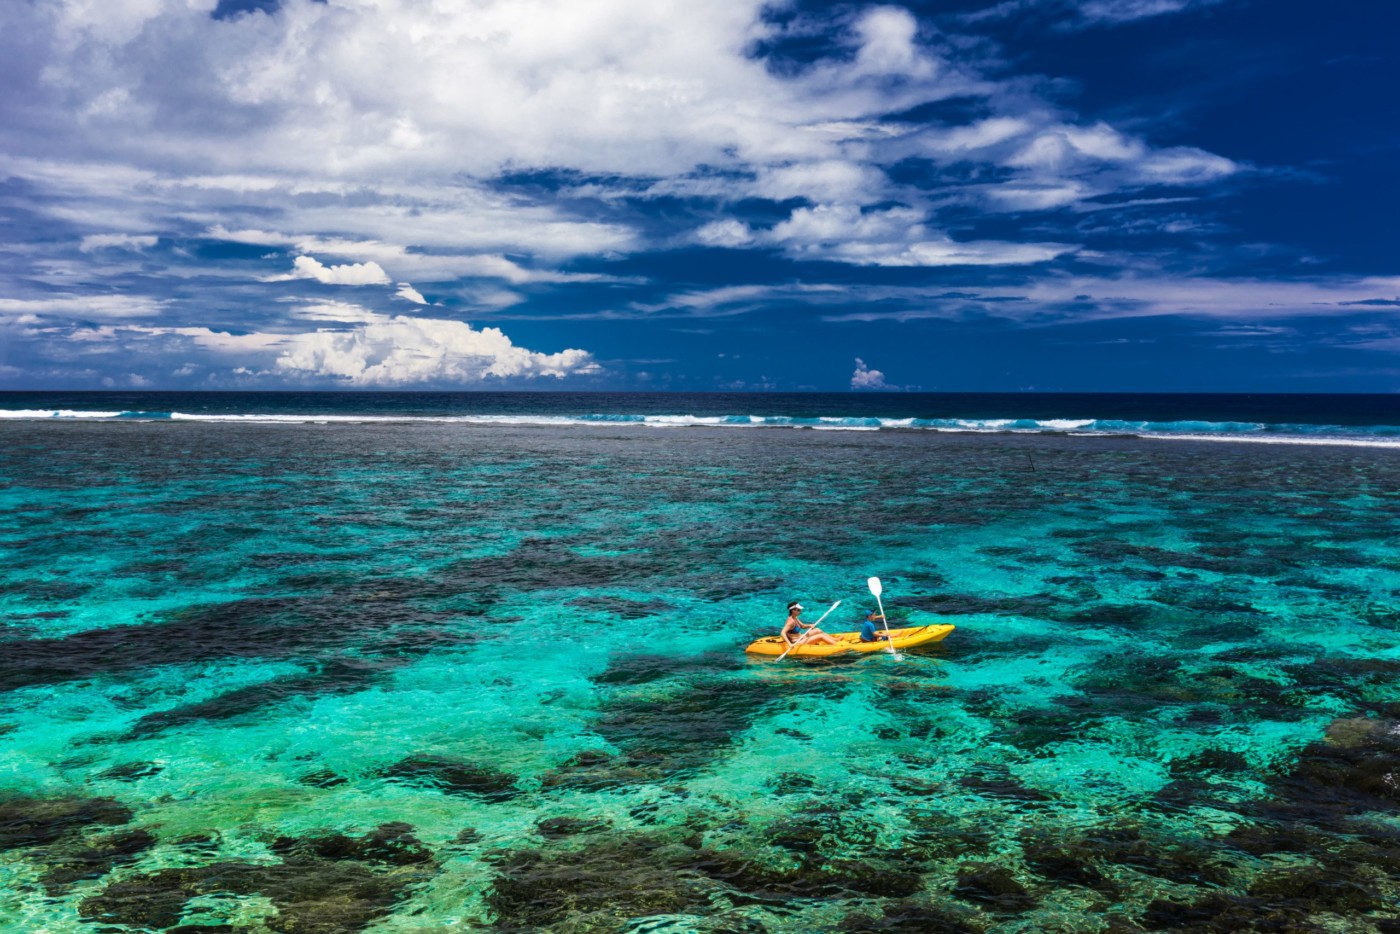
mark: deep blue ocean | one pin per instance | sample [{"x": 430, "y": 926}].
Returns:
[{"x": 422, "y": 662}]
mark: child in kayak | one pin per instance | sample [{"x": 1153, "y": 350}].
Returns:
[
  {"x": 793, "y": 629},
  {"x": 872, "y": 630}
]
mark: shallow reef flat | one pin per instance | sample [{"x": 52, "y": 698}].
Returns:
[{"x": 422, "y": 677}]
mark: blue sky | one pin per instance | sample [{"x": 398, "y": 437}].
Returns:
[{"x": 1060, "y": 195}]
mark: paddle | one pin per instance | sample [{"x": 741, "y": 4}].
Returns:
[
  {"x": 808, "y": 634},
  {"x": 877, "y": 589}
]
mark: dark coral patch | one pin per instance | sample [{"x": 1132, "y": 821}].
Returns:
[
  {"x": 549, "y": 564},
  {"x": 38, "y": 821},
  {"x": 643, "y": 668},
  {"x": 91, "y": 859},
  {"x": 324, "y": 885},
  {"x": 130, "y": 771},
  {"x": 910, "y": 917},
  {"x": 1126, "y": 615},
  {"x": 1141, "y": 682},
  {"x": 1180, "y": 861},
  {"x": 1264, "y": 839},
  {"x": 1224, "y": 914},
  {"x": 390, "y": 844},
  {"x": 1351, "y": 772},
  {"x": 557, "y": 828},
  {"x": 600, "y": 771},
  {"x": 322, "y": 778},
  {"x": 150, "y": 901},
  {"x": 1035, "y": 728},
  {"x": 454, "y": 777},
  {"x": 819, "y": 827},
  {"x": 612, "y": 878},
  {"x": 935, "y": 835},
  {"x": 56, "y": 591},
  {"x": 999, "y": 784},
  {"x": 621, "y": 608},
  {"x": 1213, "y": 761},
  {"x": 335, "y": 676},
  {"x": 1316, "y": 889},
  {"x": 994, "y": 887},
  {"x": 688, "y": 727},
  {"x": 756, "y": 879},
  {"x": 1041, "y": 606},
  {"x": 1360, "y": 681},
  {"x": 259, "y": 627},
  {"x": 596, "y": 888},
  {"x": 1069, "y": 864},
  {"x": 874, "y": 878}
]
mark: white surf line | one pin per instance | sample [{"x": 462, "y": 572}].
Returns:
[{"x": 1254, "y": 439}]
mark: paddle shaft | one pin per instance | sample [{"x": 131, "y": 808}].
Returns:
[
  {"x": 888, "y": 638},
  {"x": 876, "y": 588},
  {"x": 808, "y": 634}
]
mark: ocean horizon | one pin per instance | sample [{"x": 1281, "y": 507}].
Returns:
[{"x": 1356, "y": 418}]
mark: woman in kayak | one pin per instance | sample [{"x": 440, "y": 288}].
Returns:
[{"x": 793, "y": 629}]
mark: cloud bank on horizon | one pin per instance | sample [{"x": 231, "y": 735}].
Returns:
[{"x": 387, "y": 194}]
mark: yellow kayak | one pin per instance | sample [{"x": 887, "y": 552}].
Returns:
[{"x": 850, "y": 642}]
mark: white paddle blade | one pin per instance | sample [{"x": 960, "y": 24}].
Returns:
[{"x": 875, "y": 587}]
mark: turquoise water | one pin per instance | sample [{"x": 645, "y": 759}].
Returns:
[{"x": 423, "y": 676}]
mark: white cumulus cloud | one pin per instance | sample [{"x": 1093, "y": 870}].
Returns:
[
  {"x": 308, "y": 267},
  {"x": 728, "y": 232},
  {"x": 400, "y": 350},
  {"x": 866, "y": 378}
]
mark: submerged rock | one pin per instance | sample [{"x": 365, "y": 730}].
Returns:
[
  {"x": 938, "y": 836},
  {"x": 1224, "y": 914},
  {"x": 390, "y": 844},
  {"x": 556, "y": 828},
  {"x": 28, "y": 821},
  {"x": 322, "y": 778},
  {"x": 596, "y": 888},
  {"x": 910, "y": 918},
  {"x": 1363, "y": 775},
  {"x": 130, "y": 771},
  {"x": 1314, "y": 889},
  {"x": 1356, "y": 732},
  {"x": 621, "y": 607},
  {"x": 993, "y": 886},
  {"x": 149, "y": 901},
  {"x": 328, "y": 884},
  {"x": 1210, "y": 760},
  {"x": 998, "y": 784},
  {"x": 91, "y": 859},
  {"x": 645, "y": 668},
  {"x": 1063, "y": 864},
  {"x": 615, "y": 877},
  {"x": 600, "y": 771},
  {"x": 335, "y": 676},
  {"x": 1175, "y": 860},
  {"x": 689, "y": 726},
  {"x": 454, "y": 777},
  {"x": 255, "y": 627},
  {"x": 761, "y": 880}
]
